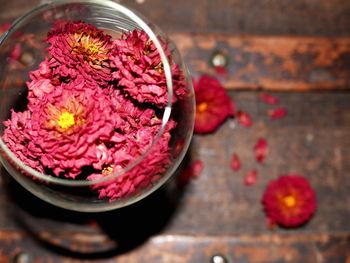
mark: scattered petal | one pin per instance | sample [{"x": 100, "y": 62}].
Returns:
[
  {"x": 277, "y": 113},
  {"x": 261, "y": 150},
  {"x": 269, "y": 99},
  {"x": 244, "y": 119},
  {"x": 235, "y": 162},
  {"x": 289, "y": 201},
  {"x": 251, "y": 178},
  {"x": 213, "y": 105},
  {"x": 221, "y": 70},
  {"x": 191, "y": 172}
]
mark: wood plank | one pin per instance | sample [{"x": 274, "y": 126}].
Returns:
[
  {"x": 185, "y": 249},
  {"x": 279, "y": 63},
  {"x": 272, "y": 63},
  {"x": 297, "y": 17}
]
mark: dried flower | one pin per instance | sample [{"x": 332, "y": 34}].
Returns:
[
  {"x": 277, "y": 113},
  {"x": 213, "y": 105},
  {"x": 77, "y": 48},
  {"x": 261, "y": 149},
  {"x": 244, "y": 119},
  {"x": 289, "y": 201},
  {"x": 251, "y": 178},
  {"x": 269, "y": 99},
  {"x": 139, "y": 69},
  {"x": 235, "y": 162}
]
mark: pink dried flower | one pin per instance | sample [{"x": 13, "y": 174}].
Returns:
[
  {"x": 269, "y": 99},
  {"x": 277, "y": 113},
  {"x": 79, "y": 48},
  {"x": 235, "y": 162},
  {"x": 261, "y": 149},
  {"x": 69, "y": 129},
  {"x": 18, "y": 140},
  {"x": 139, "y": 69},
  {"x": 244, "y": 119},
  {"x": 213, "y": 105},
  {"x": 148, "y": 171}
]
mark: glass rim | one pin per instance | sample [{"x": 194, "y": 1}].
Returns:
[{"x": 137, "y": 18}]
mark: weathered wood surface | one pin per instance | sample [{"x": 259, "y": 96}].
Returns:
[
  {"x": 280, "y": 61},
  {"x": 215, "y": 213},
  {"x": 298, "y": 45},
  {"x": 271, "y": 63},
  {"x": 266, "y": 17}
]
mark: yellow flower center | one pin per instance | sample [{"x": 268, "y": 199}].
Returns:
[
  {"x": 107, "y": 170},
  {"x": 202, "y": 106},
  {"x": 92, "y": 48},
  {"x": 66, "y": 120},
  {"x": 289, "y": 201}
]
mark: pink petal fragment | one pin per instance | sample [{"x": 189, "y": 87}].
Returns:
[
  {"x": 277, "y": 113},
  {"x": 244, "y": 119},
  {"x": 269, "y": 99},
  {"x": 261, "y": 150},
  {"x": 251, "y": 178},
  {"x": 235, "y": 162}
]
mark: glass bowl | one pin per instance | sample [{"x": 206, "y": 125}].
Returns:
[{"x": 98, "y": 113}]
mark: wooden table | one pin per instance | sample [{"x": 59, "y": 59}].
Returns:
[{"x": 298, "y": 50}]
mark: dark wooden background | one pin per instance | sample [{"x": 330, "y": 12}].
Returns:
[{"x": 297, "y": 49}]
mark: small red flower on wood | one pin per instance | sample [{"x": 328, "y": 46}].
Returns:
[{"x": 289, "y": 201}]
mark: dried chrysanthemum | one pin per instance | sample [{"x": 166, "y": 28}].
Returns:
[
  {"x": 139, "y": 69},
  {"x": 213, "y": 105},
  {"x": 71, "y": 129},
  {"x": 77, "y": 48},
  {"x": 289, "y": 201},
  {"x": 148, "y": 171}
]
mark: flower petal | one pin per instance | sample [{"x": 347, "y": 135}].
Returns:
[
  {"x": 269, "y": 99},
  {"x": 244, "y": 119},
  {"x": 261, "y": 150},
  {"x": 235, "y": 162},
  {"x": 277, "y": 113},
  {"x": 251, "y": 177}
]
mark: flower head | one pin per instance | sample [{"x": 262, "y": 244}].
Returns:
[
  {"x": 79, "y": 48},
  {"x": 72, "y": 129},
  {"x": 213, "y": 105},
  {"x": 289, "y": 201},
  {"x": 140, "y": 72}
]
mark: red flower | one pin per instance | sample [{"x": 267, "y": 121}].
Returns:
[
  {"x": 139, "y": 69},
  {"x": 244, "y": 119},
  {"x": 213, "y": 105},
  {"x": 277, "y": 113},
  {"x": 289, "y": 201},
  {"x": 261, "y": 149},
  {"x": 235, "y": 162},
  {"x": 191, "y": 172},
  {"x": 269, "y": 99},
  {"x": 251, "y": 178},
  {"x": 77, "y": 48}
]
